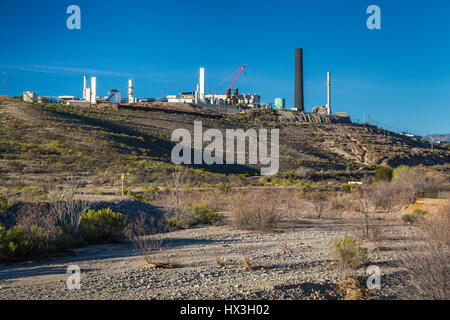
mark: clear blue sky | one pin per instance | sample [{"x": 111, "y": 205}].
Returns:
[{"x": 400, "y": 74}]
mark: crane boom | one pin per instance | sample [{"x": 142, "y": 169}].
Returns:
[
  {"x": 238, "y": 73},
  {"x": 236, "y": 77}
]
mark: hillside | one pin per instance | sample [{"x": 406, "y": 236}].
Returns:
[{"x": 43, "y": 145}]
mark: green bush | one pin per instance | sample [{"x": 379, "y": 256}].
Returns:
[
  {"x": 203, "y": 215},
  {"x": 383, "y": 174},
  {"x": 197, "y": 213},
  {"x": 224, "y": 187},
  {"x": 349, "y": 252},
  {"x": 346, "y": 188},
  {"x": 4, "y": 203},
  {"x": 20, "y": 243},
  {"x": 103, "y": 225},
  {"x": 419, "y": 212}
]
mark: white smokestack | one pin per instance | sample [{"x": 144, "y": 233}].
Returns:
[
  {"x": 94, "y": 90},
  {"x": 130, "y": 91},
  {"x": 202, "y": 84},
  {"x": 84, "y": 86},
  {"x": 197, "y": 93},
  {"x": 328, "y": 93}
]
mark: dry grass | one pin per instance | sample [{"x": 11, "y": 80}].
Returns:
[
  {"x": 256, "y": 211},
  {"x": 352, "y": 289},
  {"x": 427, "y": 260},
  {"x": 142, "y": 233}
]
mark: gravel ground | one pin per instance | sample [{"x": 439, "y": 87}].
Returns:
[{"x": 293, "y": 263}]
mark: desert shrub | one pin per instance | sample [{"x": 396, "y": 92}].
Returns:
[
  {"x": 385, "y": 196},
  {"x": 4, "y": 203},
  {"x": 336, "y": 205},
  {"x": 254, "y": 211},
  {"x": 319, "y": 202},
  {"x": 383, "y": 173},
  {"x": 304, "y": 173},
  {"x": 203, "y": 215},
  {"x": 346, "y": 188},
  {"x": 151, "y": 192},
  {"x": 224, "y": 187},
  {"x": 142, "y": 233},
  {"x": 426, "y": 261},
  {"x": 196, "y": 213},
  {"x": 409, "y": 218},
  {"x": 33, "y": 193},
  {"x": 349, "y": 252},
  {"x": 419, "y": 212},
  {"x": 103, "y": 225},
  {"x": 20, "y": 243}
]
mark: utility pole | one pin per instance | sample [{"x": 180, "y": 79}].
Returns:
[{"x": 122, "y": 177}]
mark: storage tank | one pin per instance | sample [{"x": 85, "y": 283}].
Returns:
[{"x": 280, "y": 103}]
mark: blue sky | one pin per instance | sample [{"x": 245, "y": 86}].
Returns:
[{"x": 399, "y": 75}]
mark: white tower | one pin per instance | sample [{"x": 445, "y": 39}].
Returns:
[
  {"x": 328, "y": 93},
  {"x": 84, "y": 86},
  {"x": 202, "y": 84},
  {"x": 130, "y": 91},
  {"x": 94, "y": 90}
]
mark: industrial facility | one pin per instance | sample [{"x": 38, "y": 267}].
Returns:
[{"x": 228, "y": 101}]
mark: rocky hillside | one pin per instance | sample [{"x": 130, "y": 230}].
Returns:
[{"x": 45, "y": 144}]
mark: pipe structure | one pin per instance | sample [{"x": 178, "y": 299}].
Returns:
[
  {"x": 299, "y": 101},
  {"x": 328, "y": 93}
]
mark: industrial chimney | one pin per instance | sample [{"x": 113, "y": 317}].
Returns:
[
  {"x": 130, "y": 91},
  {"x": 84, "y": 87},
  {"x": 328, "y": 94},
  {"x": 202, "y": 84},
  {"x": 299, "y": 102},
  {"x": 94, "y": 90}
]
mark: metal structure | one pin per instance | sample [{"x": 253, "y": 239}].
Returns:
[
  {"x": 236, "y": 75},
  {"x": 299, "y": 100}
]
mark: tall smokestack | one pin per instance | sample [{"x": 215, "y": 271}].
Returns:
[
  {"x": 94, "y": 90},
  {"x": 299, "y": 102},
  {"x": 328, "y": 93},
  {"x": 84, "y": 87},
  {"x": 130, "y": 90},
  {"x": 202, "y": 84}
]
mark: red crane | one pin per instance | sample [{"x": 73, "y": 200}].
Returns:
[{"x": 238, "y": 73}]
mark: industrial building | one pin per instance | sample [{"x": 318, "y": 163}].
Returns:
[
  {"x": 30, "y": 96},
  {"x": 279, "y": 103},
  {"x": 215, "y": 101},
  {"x": 90, "y": 93}
]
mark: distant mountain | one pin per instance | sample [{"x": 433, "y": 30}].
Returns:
[{"x": 438, "y": 137}]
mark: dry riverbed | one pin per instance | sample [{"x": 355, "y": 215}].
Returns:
[{"x": 293, "y": 263}]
